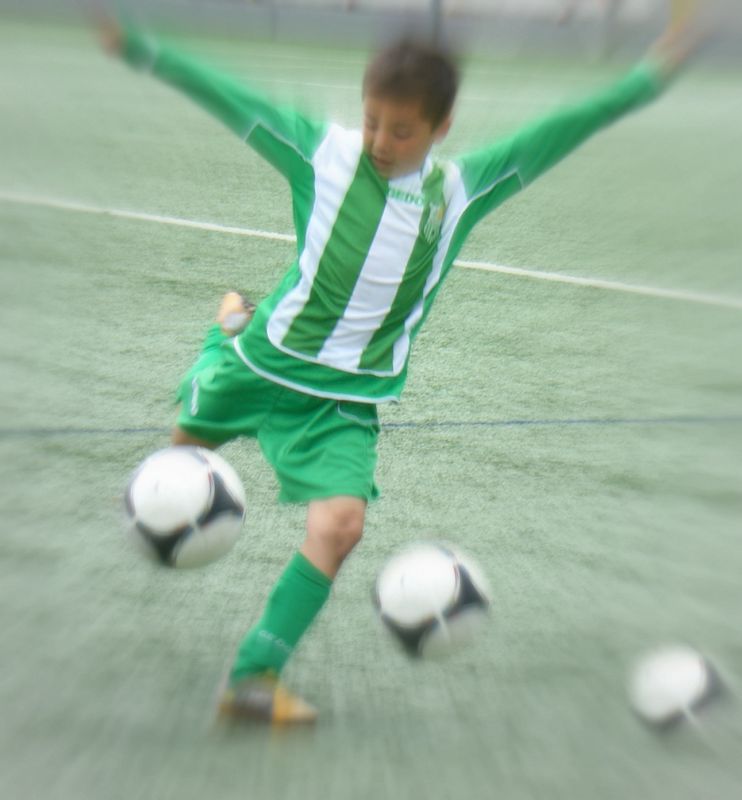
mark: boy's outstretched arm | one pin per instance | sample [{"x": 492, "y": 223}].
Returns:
[
  {"x": 494, "y": 174},
  {"x": 286, "y": 138},
  {"x": 683, "y": 37}
]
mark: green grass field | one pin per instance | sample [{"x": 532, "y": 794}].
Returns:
[{"x": 582, "y": 443}]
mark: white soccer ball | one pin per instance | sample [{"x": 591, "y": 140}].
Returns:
[
  {"x": 185, "y": 506},
  {"x": 669, "y": 683},
  {"x": 432, "y": 598}
]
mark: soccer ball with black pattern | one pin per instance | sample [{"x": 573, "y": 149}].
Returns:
[
  {"x": 185, "y": 506},
  {"x": 432, "y": 598}
]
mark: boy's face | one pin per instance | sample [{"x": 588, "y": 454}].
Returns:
[{"x": 396, "y": 136}]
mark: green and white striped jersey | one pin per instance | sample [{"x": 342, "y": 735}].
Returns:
[{"x": 372, "y": 253}]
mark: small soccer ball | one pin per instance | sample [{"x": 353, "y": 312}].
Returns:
[
  {"x": 670, "y": 683},
  {"x": 432, "y": 598},
  {"x": 185, "y": 506}
]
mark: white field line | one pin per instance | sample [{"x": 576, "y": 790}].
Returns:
[
  {"x": 557, "y": 277},
  {"x": 71, "y": 205},
  {"x": 598, "y": 283}
]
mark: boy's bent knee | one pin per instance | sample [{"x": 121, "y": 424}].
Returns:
[{"x": 334, "y": 528}]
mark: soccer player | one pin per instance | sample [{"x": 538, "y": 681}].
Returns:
[{"x": 379, "y": 222}]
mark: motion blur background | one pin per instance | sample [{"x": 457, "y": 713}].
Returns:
[
  {"x": 493, "y": 27},
  {"x": 572, "y": 417}
]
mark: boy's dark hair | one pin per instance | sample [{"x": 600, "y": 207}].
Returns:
[{"x": 415, "y": 69}]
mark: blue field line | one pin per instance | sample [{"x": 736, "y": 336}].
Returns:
[
  {"x": 41, "y": 433},
  {"x": 599, "y": 421}
]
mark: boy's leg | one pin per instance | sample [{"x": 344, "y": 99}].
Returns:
[
  {"x": 334, "y": 527},
  {"x": 234, "y": 312},
  {"x": 324, "y": 454},
  {"x": 181, "y": 438},
  {"x": 219, "y": 398}
]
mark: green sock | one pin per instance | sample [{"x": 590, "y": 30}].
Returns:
[{"x": 295, "y": 601}]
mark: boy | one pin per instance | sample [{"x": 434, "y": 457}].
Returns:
[{"x": 379, "y": 223}]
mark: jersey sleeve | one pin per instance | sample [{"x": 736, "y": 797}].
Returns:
[
  {"x": 284, "y": 137},
  {"x": 493, "y": 174}
]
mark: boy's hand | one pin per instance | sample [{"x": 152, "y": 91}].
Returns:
[
  {"x": 110, "y": 32},
  {"x": 681, "y": 39}
]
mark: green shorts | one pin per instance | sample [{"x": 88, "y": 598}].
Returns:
[{"x": 318, "y": 447}]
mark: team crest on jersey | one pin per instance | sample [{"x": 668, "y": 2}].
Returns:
[
  {"x": 433, "y": 222},
  {"x": 435, "y": 205}
]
